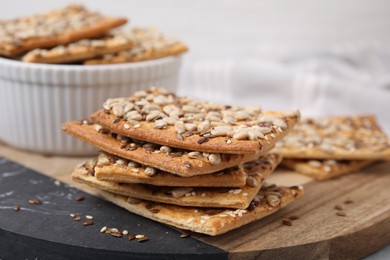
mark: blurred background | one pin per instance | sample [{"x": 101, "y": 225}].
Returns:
[{"x": 322, "y": 57}]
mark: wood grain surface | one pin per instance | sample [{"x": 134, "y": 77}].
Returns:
[{"x": 317, "y": 233}]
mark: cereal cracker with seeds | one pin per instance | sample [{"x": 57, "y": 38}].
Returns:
[
  {"x": 325, "y": 169},
  {"x": 58, "y": 27},
  {"x": 115, "y": 169},
  {"x": 238, "y": 198},
  {"x": 337, "y": 138},
  {"x": 149, "y": 43},
  {"x": 80, "y": 50},
  {"x": 212, "y": 221},
  {"x": 157, "y": 116},
  {"x": 177, "y": 161}
]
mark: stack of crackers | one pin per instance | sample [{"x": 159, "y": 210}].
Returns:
[
  {"x": 75, "y": 34},
  {"x": 328, "y": 147},
  {"x": 190, "y": 164}
]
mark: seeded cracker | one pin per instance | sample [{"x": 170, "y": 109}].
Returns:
[
  {"x": 336, "y": 138},
  {"x": 124, "y": 171},
  {"x": 161, "y": 157},
  {"x": 149, "y": 43},
  {"x": 158, "y": 116},
  {"x": 81, "y": 50},
  {"x": 239, "y": 198},
  {"x": 208, "y": 221},
  {"x": 57, "y": 27},
  {"x": 325, "y": 169}
]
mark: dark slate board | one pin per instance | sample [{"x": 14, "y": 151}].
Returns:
[{"x": 47, "y": 231}]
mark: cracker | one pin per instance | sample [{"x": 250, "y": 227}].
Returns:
[
  {"x": 207, "y": 221},
  {"x": 338, "y": 138},
  {"x": 114, "y": 169},
  {"x": 239, "y": 198},
  {"x": 81, "y": 50},
  {"x": 158, "y": 116},
  {"x": 150, "y": 44},
  {"x": 185, "y": 163},
  {"x": 57, "y": 27},
  {"x": 325, "y": 169}
]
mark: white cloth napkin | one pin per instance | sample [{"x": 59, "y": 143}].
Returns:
[{"x": 343, "y": 80}]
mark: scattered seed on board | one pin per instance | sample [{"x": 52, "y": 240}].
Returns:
[
  {"x": 34, "y": 201},
  {"x": 16, "y": 207},
  {"x": 184, "y": 235},
  {"x": 88, "y": 223},
  {"x": 79, "y": 198},
  {"x": 88, "y": 217}
]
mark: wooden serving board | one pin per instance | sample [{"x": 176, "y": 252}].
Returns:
[{"x": 318, "y": 233}]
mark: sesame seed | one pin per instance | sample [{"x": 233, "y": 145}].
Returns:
[
  {"x": 72, "y": 215},
  {"x": 125, "y": 232},
  {"x": 126, "y": 126},
  {"x": 88, "y": 216},
  {"x": 139, "y": 236},
  {"x": 184, "y": 235},
  {"x": 245, "y": 194},
  {"x": 131, "y": 237},
  {"x": 77, "y": 218},
  {"x": 16, "y": 207}
]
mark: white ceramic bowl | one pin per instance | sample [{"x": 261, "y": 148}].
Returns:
[{"x": 35, "y": 99}]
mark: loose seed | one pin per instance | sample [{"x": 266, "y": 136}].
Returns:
[
  {"x": 72, "y": 215},
  {"x": 139, "y": 236},
  {"x": 79, "y": 198},
  {"x": 88, "y": 223},
  {"x": 16, "y": 208},
  {"x": 34, "y": 201},
  {"x": 144, "y": 239},
  {"x": 103, "y": 229},
  {"x": 131, "y": 237},
  {"x": 184, "y": 235},
  {"x": 77, "y": 218},
  {"x": 88, "y": 217},
  {"x": 116, "y": 234},
  {"x": 125, "y": 232}
]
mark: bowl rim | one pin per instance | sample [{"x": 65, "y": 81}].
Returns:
[{"x": 39, "y": 66}]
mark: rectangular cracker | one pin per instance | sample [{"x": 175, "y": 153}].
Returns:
[
  {"x": 157, "y": 116},
  {"x": 185, "y": 163},
  {"x": 80, "y": 50},
  {"x": 114, "y": 169},
  {"x": 338, "y": 138},
  {"x": 208, "y": 221},
  {"x": 150, "y": 44},
  {"x": 238, "y": 198},
  {"x": 325, "y": 169},
  {"x": 61, "y": 26}
]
